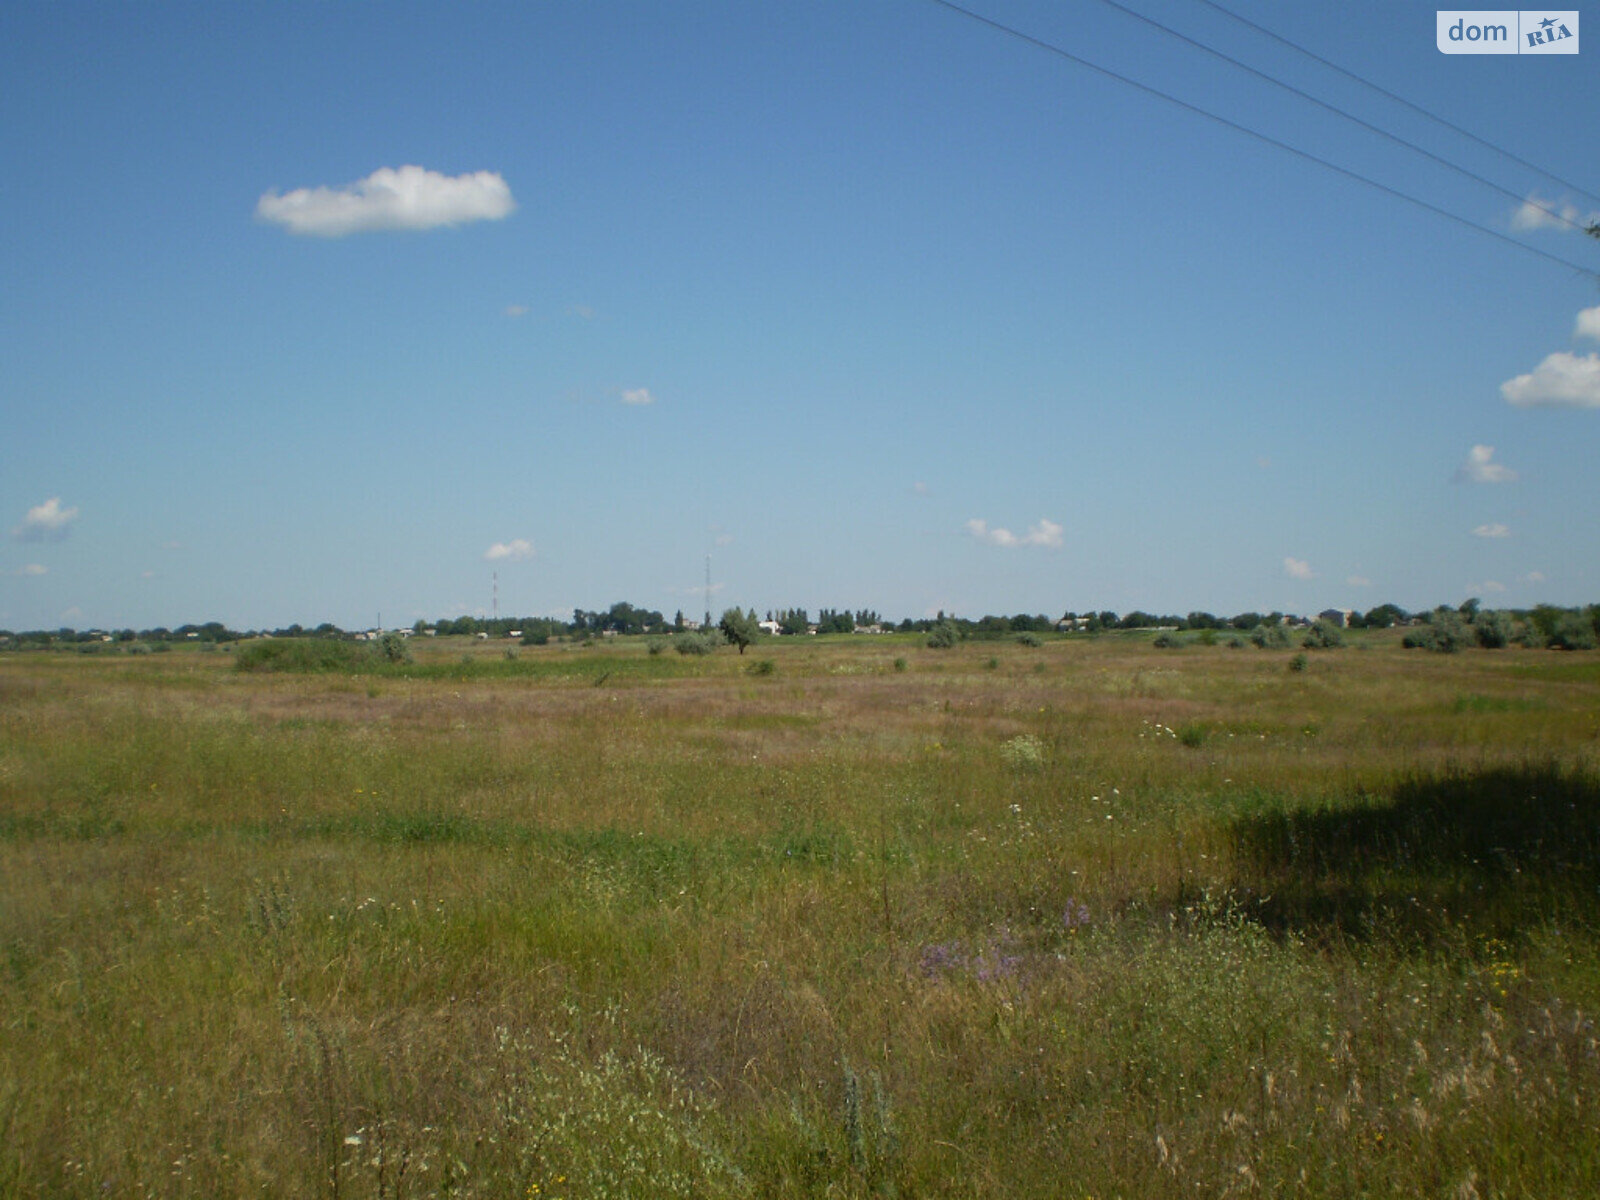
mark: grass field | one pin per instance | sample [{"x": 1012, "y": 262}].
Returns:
[{"x": 1086, "y": 919}]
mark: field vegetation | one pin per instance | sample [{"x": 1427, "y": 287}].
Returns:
[{"x": 841, "y": 916}]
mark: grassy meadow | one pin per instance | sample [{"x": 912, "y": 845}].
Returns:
[{"x": 842, "y": 917}]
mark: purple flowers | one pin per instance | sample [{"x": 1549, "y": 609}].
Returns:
[
  {"x": 1076, "y": 916},
  {"x": 989, "y": 963},
  {"x": 943, "y": 957}
]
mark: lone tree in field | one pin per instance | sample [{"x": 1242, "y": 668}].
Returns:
[{"x": 740, "y": 628}]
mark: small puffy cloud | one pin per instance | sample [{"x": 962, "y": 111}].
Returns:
[
  {"x": 1045, "y": 533},
  {"x": 516, "y": 310},
  {"x": 921, "y": 489},
  {"x": 1535, "y": 577},
  {"x": 46, "y": 522},
  {"x": 1485, "y": 588},
  {"x": 515, "y": 550},
  {"x": 389, "y": 199},
  {"x": 582, "y": 311},
  {"x": 1588, "y": 324},
  {"x": 1480, "y": 467},
  {"x": 1493, "y": 530},
  {"x": 33, "y": 570},
  {"x": 637, "y": 396},
  {"x": 1562, "y": 380},
  {"x": 1298, "y": 568},
  {"x": 1358, "y": 581},
  {"x": 1536, "y": 213}
]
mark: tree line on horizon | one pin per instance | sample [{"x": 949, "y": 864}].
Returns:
[{"x": 1550, "y": 624}]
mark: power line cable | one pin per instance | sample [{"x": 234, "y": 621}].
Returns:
[
  {"x": 1337, "y": 111},
  {"x": 1398, "y": 99},
  {"x": 1059, "y": 52}
]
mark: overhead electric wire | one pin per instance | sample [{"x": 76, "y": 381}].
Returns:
[
  {"x": 1187, "y": 106},
  {"x": 1337, "y": 111},
  {"x": 1398, "y": 99}
]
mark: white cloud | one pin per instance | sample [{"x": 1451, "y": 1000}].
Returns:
[
  {"x": 921, "y": 489},
  {"x": 515, "y": 550},
  {"x": 1298, "y": 568},
  {"x": 1358, "y": 581},
  {"x": 1494, "y": 530},
  {"x": 33, "y": 570},
  {"x": 637, "y": 396},
  {"x": 1487, "y": 586},
  {"x": 516, "y": 310},
  {"x": 581, "y": 310},
  {"x": 46, "y": 522},
  {"x": 1535, "y": 576},
  {"x": 388, "y": 199},
  {"x": 1045, "y": 533},
  {"x": 1480, "y": 467},
  {"x": 1588, "y": 324},
  {"x": 1562, "y": 380},
  {"x": 1537, "y": 213}
]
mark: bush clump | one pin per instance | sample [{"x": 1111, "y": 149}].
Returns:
[
  {"x": 392, "y": 648},
  {"x": 1444, "y": 633},
  {"x": 1323, "y": 635},
  {"x": 1023, "y": 753},
  {"x": 303, "y": 655},
  {"x": 1494, "y": 629},
  {"x": 694, "y": 643},
  {"x": 1270, "y": 637},
  {"x": 943, "y": 636},
  {"x": 1573, "y": 632}
]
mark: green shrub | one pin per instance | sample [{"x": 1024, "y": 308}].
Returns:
[
  {"x": 1573, "y": 632},
  {"x": 392, "y": 648},
  {"x": 1494, "y": 630},
  {"x": 1270, "y": 637},
  {"x": 1029, "y": 639},
  {"x": 1445, "y": 633},
  {"x": 1166, "y": 641},
  {"x": 692, "y": 643},
  {"x": 1323, "y": 635},
  {"x": 1299, "y": 662},
  {"x": 1023, "y": 753},
  {"x": 943, "y": 636},
  {"x": 303, "y": 655}
]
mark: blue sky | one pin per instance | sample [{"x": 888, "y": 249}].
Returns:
[{"x": 319, "y": 312}]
